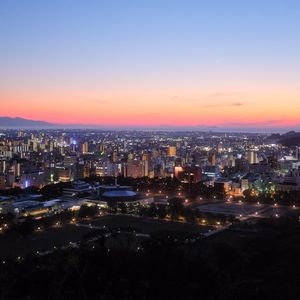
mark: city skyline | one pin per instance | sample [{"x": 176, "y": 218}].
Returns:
[{"x": 161, "y": 64}]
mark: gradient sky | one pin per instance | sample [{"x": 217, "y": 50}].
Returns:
[{"x": 232, "y": 63}]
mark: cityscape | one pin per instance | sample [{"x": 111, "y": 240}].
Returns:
[{"x": 149, "y": 150}]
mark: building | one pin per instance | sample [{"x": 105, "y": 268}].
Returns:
[
  {"x": 36, "y": 179},
  {"x": 171, "y": 151},
  {"x": 135, "y": 168},
  {"x": 212, "y": 159},
  {"x": 77, "y": 188},
  {"x": 85, "y": 148},
  {"x": 251, "y": 156},
  {"x": 188, "y": 174},
  {"x": 2, "y": 182},
  {"x": 223, "y": 185},
  {"x": 211, "y": 172},
  {"x": 244, "y": 184},
  {"x": 290, "y": 182},
  {"x": 116, "y": 194}
]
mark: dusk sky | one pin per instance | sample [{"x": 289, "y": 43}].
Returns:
[{"x": 149, "y": 63}]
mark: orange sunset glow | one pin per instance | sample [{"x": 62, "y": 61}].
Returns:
[
  {"x": 153, "y": 108},
  {"x": 110, "y": 68}
]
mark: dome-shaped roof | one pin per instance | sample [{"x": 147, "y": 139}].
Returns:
[{"x": 112, "y": 194}]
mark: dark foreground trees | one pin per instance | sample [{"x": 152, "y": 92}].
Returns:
[
  {"x": 86, "y": 211},
  {"x": 263, "y": 264}
]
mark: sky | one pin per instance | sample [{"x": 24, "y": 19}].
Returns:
[{"x": 152, "y": 63}]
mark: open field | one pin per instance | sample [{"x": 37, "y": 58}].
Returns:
[
  {"x": 281, "y": 211},
  {"x": 147, "y": 225},
  {"x": 231, "y": 208},
  {"x": 249, "y": 209},
  {"x": 13, "y": 245}
]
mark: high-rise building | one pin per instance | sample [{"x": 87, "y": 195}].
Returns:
[
  {"x": 2, "y": 182},
  {"x": 2, "y": 166},
  {"x": 212, "y": 159},
  {"x": 115, "y": 156},
  {"x": 251, "y": 156},
  {"x": 16, "y": 168},
  {"x": 85, "y": 147},
  {"x": 135, "y": 168},
  {"x": 171, "y": 151}
]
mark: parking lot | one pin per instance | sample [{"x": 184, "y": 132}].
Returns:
[{"x": 245, "y": 210}]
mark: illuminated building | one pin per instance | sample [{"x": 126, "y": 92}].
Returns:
[
  {"x": 135, "y": 168},
  {"x": 212, "y": 159},
  {"x": 36, "y": 179},
  {"x": 85, "y": 148},
  {"x": 251, "y": 156},
  {"x": 188, "y": 174},
  {"x": 223, "y": 185},
  {"x": 77, "y": 188},
  {"x": 211, "y": 172},
  {"x": 171, "y": 151}
]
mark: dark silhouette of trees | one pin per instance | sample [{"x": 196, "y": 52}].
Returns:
[
  {"x": 86, "y": 211},
  {"x": 169, "y": 265},
  {"x": 27, "y": 227},
  {"x": 189, "y": 215},
  {"x": 176, "y": 208},
  {"x": 161, "y": 211},
  {"x": 123, "y": 208},
  {"x": 7, "y": 218}
]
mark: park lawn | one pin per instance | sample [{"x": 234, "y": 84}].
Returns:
[
  {"x": 146, "y": 225},
  {"x": 13, "y": 245}
]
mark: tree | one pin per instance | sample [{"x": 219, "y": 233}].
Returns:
[
  {"x": 7, "y": 218},
  {"x": 176, "y": 205},
  {"x": 189, "y": 215},
  {"x": 152, "y": 210},
  {"x": 66, "y": 216},
  {"x": 88, "y": 211},
  {"x": 123, "y": 208},
  {"x": 25, "y": 228},
  {"x": 161, "y": 211},
  {"x": 47, "y": 222}
]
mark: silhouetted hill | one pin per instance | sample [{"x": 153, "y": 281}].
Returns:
[
  {"x": 291, "y": 138},
  {"x": 21, "y": 122}
]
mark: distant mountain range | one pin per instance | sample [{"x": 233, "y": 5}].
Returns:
[
  {"x": 291, "y": 137},
  {"x": 8, "y": 122}
]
